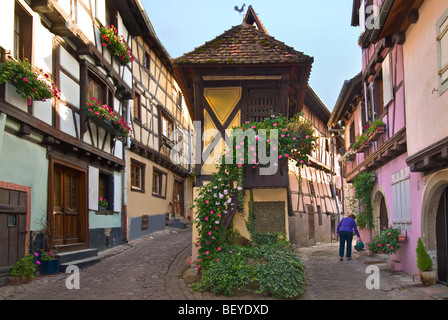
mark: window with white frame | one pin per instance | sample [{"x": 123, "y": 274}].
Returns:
[
  {"x": 442, "y": 48},
  {"x": 401, "y": 199}
]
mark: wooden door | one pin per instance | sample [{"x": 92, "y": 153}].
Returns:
[
  {"x": 442, "y": 237},
  {"x": 68, "y": 218},
  {"x": 13, "y": 209},
  {"x": 178, "y": 198},
  {"x": 384, "y": 220}
]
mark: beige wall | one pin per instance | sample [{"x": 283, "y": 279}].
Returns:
[
  {"x": 426, "y": 115},
  {"x": 139, "y": 203}
]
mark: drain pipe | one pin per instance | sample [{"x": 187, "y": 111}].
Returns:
[{"x": 125, "y": 184}]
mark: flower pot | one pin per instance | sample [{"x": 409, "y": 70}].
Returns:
[
  {"x": 428, "y": 277},
  {"x": 50, "y": 267}
]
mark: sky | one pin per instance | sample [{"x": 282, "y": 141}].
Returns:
[{"x": 320, "y": 29}]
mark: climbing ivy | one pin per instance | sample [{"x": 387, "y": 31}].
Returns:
[{"x": 363, "y": 186}]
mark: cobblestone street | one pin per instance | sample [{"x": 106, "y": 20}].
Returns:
[{"x": 149, "y": 268}]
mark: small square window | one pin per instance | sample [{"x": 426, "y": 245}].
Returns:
[{"x": 12, "y": 220}]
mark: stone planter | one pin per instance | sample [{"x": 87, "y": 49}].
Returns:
[
  {"x": 428, "y": 278},
  {"x": 17, "y": 281}
]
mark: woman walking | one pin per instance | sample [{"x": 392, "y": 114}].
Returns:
[{"x": 345, "y": 231}]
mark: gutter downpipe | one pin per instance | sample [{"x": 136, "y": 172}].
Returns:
[{"x": 125, "y": 184}]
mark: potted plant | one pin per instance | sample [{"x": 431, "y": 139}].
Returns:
[
  {"x": 102, "y": 204},
  {"x": 23, "y": 271},
  {"x": 428, "y": 275},
  {"x": 49, "y": 263}
]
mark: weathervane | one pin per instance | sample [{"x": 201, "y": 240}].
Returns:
[{"x": 240, "y": 10}]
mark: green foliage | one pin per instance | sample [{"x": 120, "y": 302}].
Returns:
[
  {"x": 424, "y": 261},
  {"x": 227, "y": 275},
  {"x": 280, "y": 273},
  {"x": 359, "y": 141},
  {"x": 30, "y": 82},
  {"x": 386, "y": 241},
  {"x": 363, "y": 186},
  {"x": 376, "y": 123},
  {"x": 25, "y": 267},
  {"x": 271, "y": 269}
]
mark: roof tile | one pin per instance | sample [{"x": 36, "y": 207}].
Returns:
[{"x": 243, "y": 44}]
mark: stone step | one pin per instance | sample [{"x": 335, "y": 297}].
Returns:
[
  {"x": 179, "y": 223},
  {"x": 77, "y": 255},
  {"x": 81, "y": 263},
  {"x": 80, "y": 258},
  {"x": 4, "y": 274}
]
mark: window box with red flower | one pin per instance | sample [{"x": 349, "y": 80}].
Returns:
[
  {"x": 116, "y": 44},
  {"x": 377, "y": 128},
  {"x": 30, "y": 82},
  {"x": 107, "y": 118}
]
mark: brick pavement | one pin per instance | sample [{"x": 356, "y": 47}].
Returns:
[{"x": 149, "y": 268}]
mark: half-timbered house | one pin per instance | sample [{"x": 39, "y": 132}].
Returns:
[
  {"x": 59, "y": 158},
  {"x": 316, "y": 190},
  {"x": 158, "y": 188},
  {"x": 244, "y": 75}
]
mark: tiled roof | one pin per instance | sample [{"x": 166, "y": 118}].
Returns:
[{"x": 243, "y": 44}]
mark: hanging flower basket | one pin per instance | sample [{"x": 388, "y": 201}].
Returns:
[{"x": 30, "y": 82}]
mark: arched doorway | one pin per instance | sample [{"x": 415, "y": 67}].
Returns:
[
  {"x": 442, "y": 237},
  {"x": 383, "y": 219},
  {"x": 435, "y": 219},
  {"x": 380, "y": 212}
]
